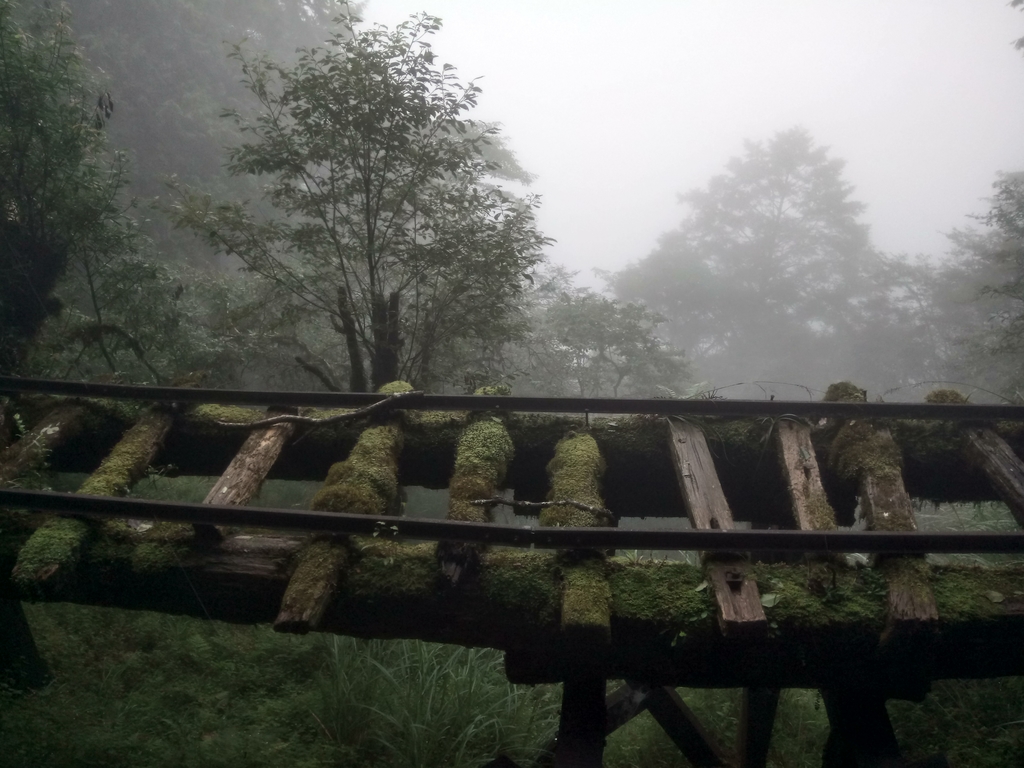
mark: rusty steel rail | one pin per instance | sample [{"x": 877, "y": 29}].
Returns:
[
  {"x": 609, "y": 405},
  {"x": 515, "y": 536}
]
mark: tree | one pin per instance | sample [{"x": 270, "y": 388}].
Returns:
[
  {"x": 58, "y": 190},
  {"x": 771, "y": 275},
  {"x": 393, "y": 229},
  {"x": 978, "y": 294}
]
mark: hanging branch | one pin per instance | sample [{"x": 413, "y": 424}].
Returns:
[
  {"x": 386, "y": 403},
  {"x": 606, "y": 513}
]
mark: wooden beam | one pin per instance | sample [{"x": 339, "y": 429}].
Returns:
[
  {"x": 740, "y": 613},
  {"x": 757, "y": 718},
  {"x": 1002, "y": 466},
  {"x": 682, "y": 726},
  {"x": 391, "y": 591},
  {"x": 582, "y": 724},
  {"x": 623, "y": 704}
]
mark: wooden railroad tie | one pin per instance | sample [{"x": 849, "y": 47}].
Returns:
[{"x": 740, "y": 613}]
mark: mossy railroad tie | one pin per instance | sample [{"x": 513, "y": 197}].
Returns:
[
  {"x": 47, "y": 562},
  {"x": 740, "y": 613},
  {"x": 866, "y": 454},
  {"x": 987, "y": 450},
  {"x": 575, "y": 474},
  {"x": 482, "y": 455},
  {"x": 365, "y": 483}
]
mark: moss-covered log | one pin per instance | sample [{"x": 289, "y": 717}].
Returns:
[
  {"x": 663, "y": 627},
  {"x": 48, "y": 561},
  {"x": 34, "y": 448},
  {"x": 482, "y": 457}
]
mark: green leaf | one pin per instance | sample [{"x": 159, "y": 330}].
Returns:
[
  {"x": 770, "y": 599},
  {"x": 701, "y": 587},
  {"x": 995, "y": 597}
]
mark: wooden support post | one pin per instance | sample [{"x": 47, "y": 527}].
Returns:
[
  {"x": 582, "y": 725},
  {"x": 1002, "y": 466},
  {"x": 683, "y": 727},
  {"x": 860, "y": 735},
  {"x": 757, "y": 718},
  {"x": 740, "y": 613},
  {"x": 21, "y": 666}
]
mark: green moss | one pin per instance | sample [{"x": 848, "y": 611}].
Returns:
[
  {"x": 817, "y": 595},
  {"x": 317, "y": 571},
  {"x": 575, "y": 474},
  {"x": 820, "y": 513},
  {"x": 657, "y": 591},
  {"x": 946, "y": 396},
  {"x": 367, "y": 481},
  {"x": 129, "y": 459},
  {"x": 844, "y": 392},
  {"x": 587, "y": 600},
  {"x": 392, "y": 569},
  {"x": 481, "y": 459},
  {"x": 51, "y": 553},
  {"x": 495, "y": 390},
  {"x": 156, "y": 556},
  {"x": 395, "y": 387},
  {"x": 230, "y": 414},
  {"x": 965, "y": 593},
  {"x": 518, "y": 581},
  {"x": 859, "y": 448}
]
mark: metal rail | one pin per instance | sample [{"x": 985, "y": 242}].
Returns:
[
  {"x": 661, "y": 407},
  {"x": 509, "y": 535}
]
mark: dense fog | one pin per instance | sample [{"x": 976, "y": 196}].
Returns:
[{"x": 668, "y": 199}]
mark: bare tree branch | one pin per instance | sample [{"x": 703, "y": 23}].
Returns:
[
  {"x": 381, "y": 405},
  {"x": 600, "y": 511}
]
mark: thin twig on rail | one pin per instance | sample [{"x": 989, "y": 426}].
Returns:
[
  {"x": 542, "y": 504},
  {"x": 287, "y": 418}
]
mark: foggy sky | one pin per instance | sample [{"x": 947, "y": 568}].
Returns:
[{"x": 618, "y": 107}]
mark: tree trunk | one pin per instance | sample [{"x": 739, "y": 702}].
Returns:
[
  {"x": 357, "y": 373},
  {"x": 387, "y": 340}
]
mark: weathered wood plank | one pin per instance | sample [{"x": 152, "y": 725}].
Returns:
[
  {"x": 582, "y": 724},
  {"x": 739, "y": 603},
  {"x": 1002, "y": 466},
  {"x": 244, "y": 476},
  {"x": 695, "y": 471},
  {"x": 802, "y": 476},
  {"x": 757, "y": 718}
]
